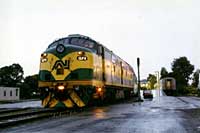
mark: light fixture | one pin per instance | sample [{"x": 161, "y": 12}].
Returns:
[
  {"x": 44, "y": 60},
  {"x": 81, "y": 53},
  {"x": 44, "y": 55},
  {"x": 61, "y": 87},
  {"x": 99, "y": 89},
  {"x": 60, "y": 48}
]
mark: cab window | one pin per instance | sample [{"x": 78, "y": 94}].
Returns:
[
  {"x": 61, "y": 41},
  {"x": 82, "y": 42}
]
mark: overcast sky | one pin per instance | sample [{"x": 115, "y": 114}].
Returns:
[{"x": 157, "y": 31}]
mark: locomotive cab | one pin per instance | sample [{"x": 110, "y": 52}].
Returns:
[{"x": 68, "y": 68}]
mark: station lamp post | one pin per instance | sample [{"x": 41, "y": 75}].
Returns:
[
  {"x": 158, "y": 82},
  {"x": 138, "y": 66},
  {"x": 199, "y": 82}
]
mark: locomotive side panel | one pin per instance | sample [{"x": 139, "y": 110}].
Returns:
[
  {"x": 98, "y": 69},
  {"x": 107, "y": 66},
  {"x": 116, "y": 70}
]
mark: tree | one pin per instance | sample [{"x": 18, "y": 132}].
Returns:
[
  {"x": 163, "y": 73},
  {"x": 182, "y": 69},
  {"x": 152, "y": 80},
  {"x": 195, "y": 78},
  {"x": 29, "y": 87},
  {"x": 11, "y": 76}
]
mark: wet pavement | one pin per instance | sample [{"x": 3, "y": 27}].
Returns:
[{"x": 161, "y": 115}]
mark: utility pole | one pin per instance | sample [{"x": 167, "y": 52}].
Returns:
[
  {"x": 138, "y": 66},
  {"x": 158, "y": 82}
]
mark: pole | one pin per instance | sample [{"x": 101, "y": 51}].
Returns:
[
  {"x": 158, "y": 82},
  {"x": 138, "y": 66}
]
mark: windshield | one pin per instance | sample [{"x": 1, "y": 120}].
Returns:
[
  {"x": 60, "y": 41},
  {"x": 82, "y": 42},
  {"x": 74, "y": 41}
]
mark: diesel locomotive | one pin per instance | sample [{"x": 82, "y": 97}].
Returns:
[{"x": 77, "y": 71}]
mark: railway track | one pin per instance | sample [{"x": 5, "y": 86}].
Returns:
[
  {"x": 4, "y": 110},
  {"x": 12, "y": 117},
  {"x": 19, "y": 116}
]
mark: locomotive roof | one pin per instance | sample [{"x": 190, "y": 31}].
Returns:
[{"x": 77, "y": 36}]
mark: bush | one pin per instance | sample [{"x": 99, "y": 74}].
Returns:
[
  {"x": 198, "y": 93},
  {"x": 188, "y": 90},
  {"x": 143, "y": 88},
  {"x": 191, "y": 91}
]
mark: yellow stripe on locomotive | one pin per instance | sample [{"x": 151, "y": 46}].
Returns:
[{"x": 61, "y": 68}]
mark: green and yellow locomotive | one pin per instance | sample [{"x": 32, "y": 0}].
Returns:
[{"x": 77, "y": 71}]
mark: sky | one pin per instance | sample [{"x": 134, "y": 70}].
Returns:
[{"x": 156, "y": 31}]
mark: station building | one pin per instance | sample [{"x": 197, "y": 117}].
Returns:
[{"x": 9, "y": 93}]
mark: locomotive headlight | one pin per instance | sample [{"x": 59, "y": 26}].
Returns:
[
  {"x": 76, "y": 88},
  {"x": 60, "y": 48},
  {"x": 99, "y": 89},
  {"x": 44, "y": 55},
  {"x": 61, "y": 87},
  {"x": 81, "y": 53},
  {"x": 44, "y": 60}
]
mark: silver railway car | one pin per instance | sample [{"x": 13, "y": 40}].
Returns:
[{"x": 168, "y": 85}]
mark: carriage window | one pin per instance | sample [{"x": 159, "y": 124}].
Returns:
[
  {"x": 89, "y": 44},
  {"x": 4, "y": 93},
  {"x": 99, "y": 50},
  {"x": 77, "y": 41},
  {"x": 66, "y": 41},
  {"x": 10, "y": 93},
  {"x": 114, "y": 59}
]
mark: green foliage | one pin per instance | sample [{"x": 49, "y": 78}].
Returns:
[
  {"x": 195, "y": 79},
  {"x": 189, "y": 90},
  {"x": 152, "y": 80},
  {"x": 143, "y": 88},
  {"x": 198, "y": 93},
  {"x": 29, "y": 87},
  {"x": 163, "y": 73},
  {"x": 183, "y": 91},
  {"x": 182, "y": 69},
  {"x": 11, "y": 76}
]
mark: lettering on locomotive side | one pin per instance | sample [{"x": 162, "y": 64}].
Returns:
[
  {"x": 61, "y": 64},
  {"x": 82, "y": 58}
]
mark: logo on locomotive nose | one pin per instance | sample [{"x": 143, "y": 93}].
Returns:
[{"x": 61, "y": 64}]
